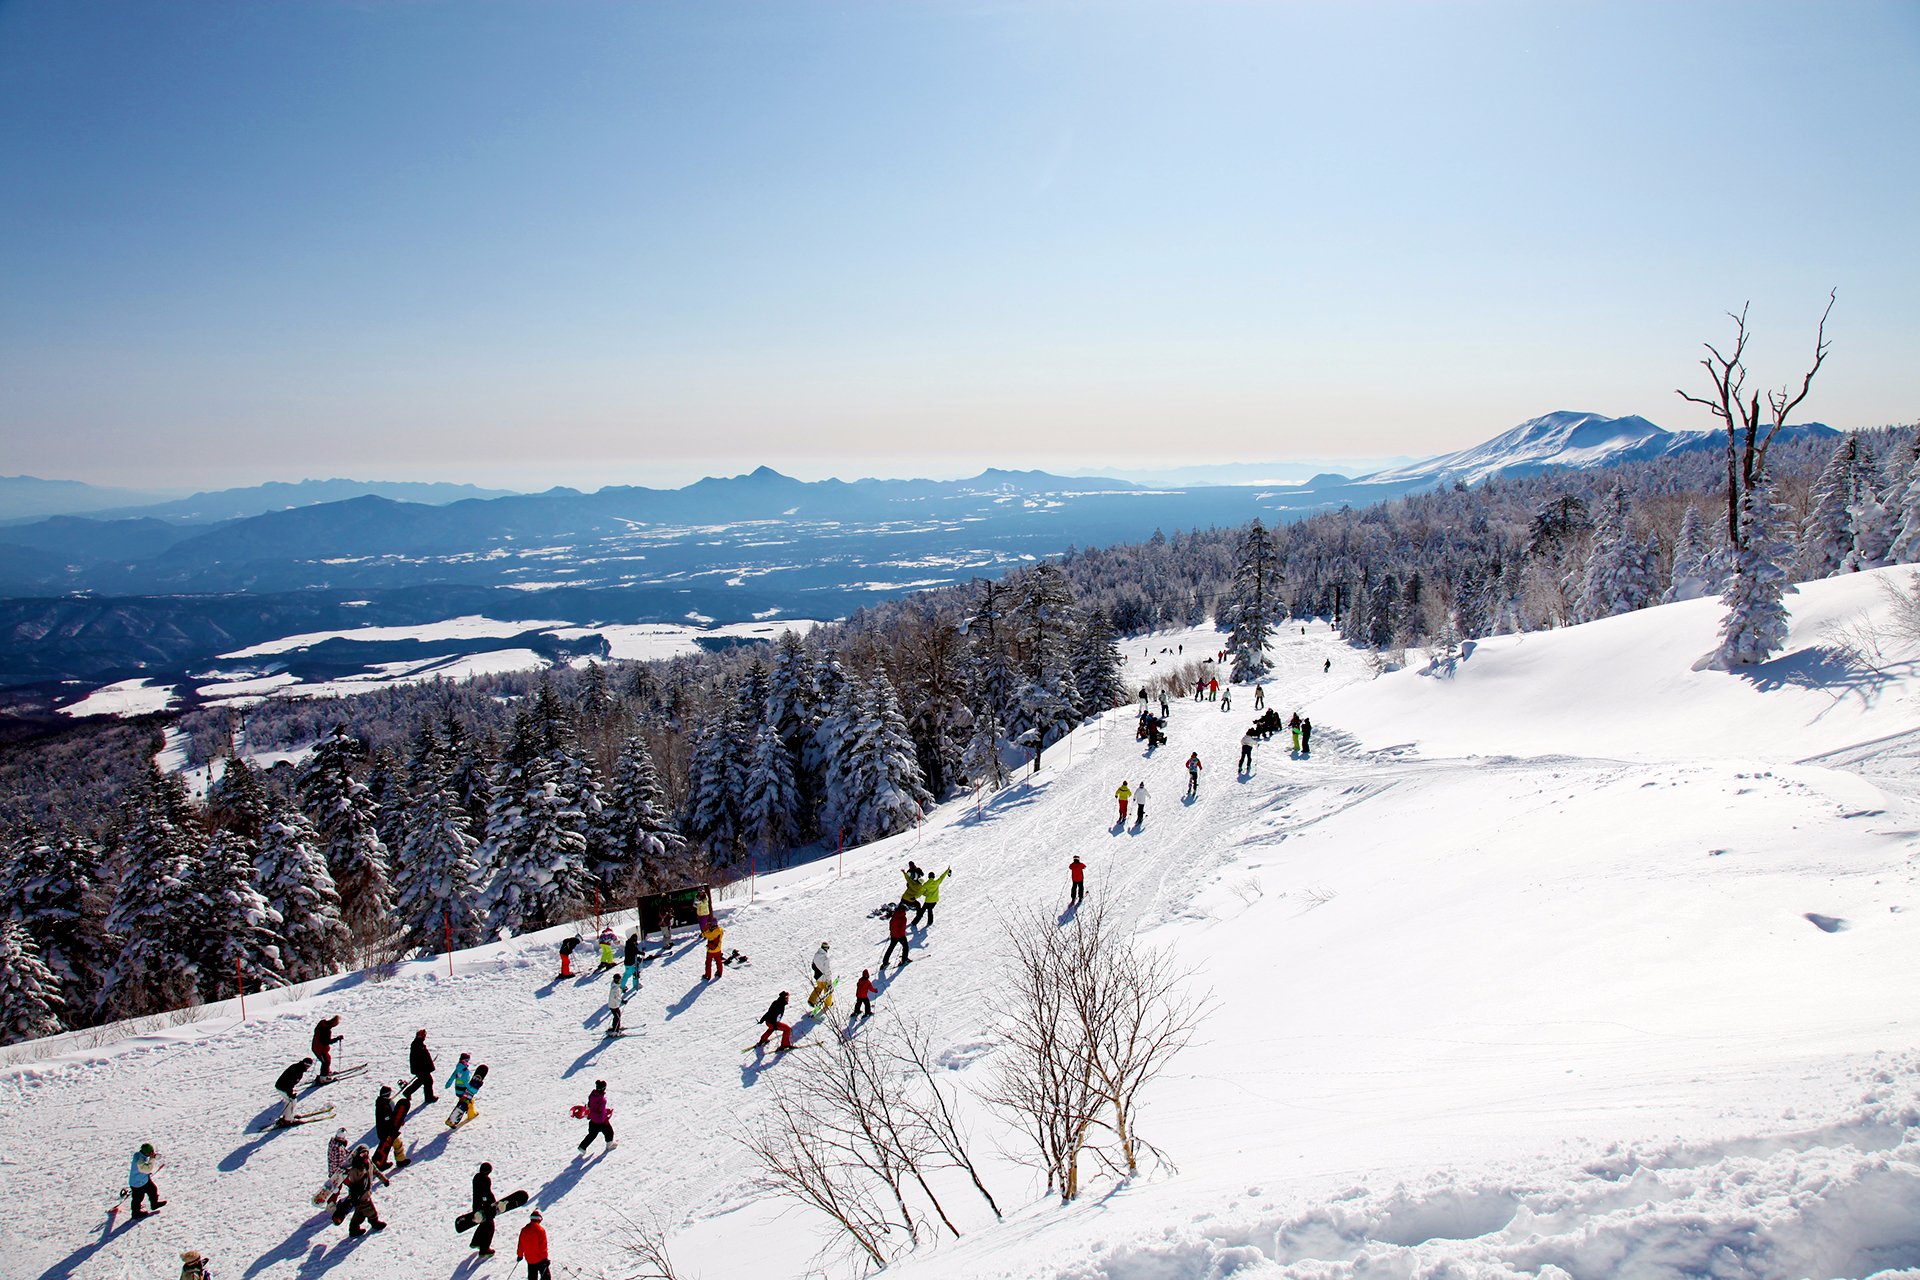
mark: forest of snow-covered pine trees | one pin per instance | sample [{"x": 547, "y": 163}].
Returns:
[{"x": 512, "y": 802}]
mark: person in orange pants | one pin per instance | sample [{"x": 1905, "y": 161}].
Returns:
[{"x": 715, "y": 966}]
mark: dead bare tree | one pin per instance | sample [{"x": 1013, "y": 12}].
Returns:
[
  {"x": 799, "y": 1160},
  {"x": 645, "y": 1243},
  {"x": 1137, "y": 1021},
  {"x": 1739, "y": 409},
  {"x": 935, "y": 1109}
]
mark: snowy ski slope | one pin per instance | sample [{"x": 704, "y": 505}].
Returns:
[{"x": 1578, "y": 960}]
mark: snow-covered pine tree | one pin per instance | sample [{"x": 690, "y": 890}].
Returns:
[
  {"x": 1618, "y": 578},
  {"x": 469, "y": 771},
  {"x": 790, "y": 708},
  {"x": 436, "y": 884},
  {"x": 1755, "y": 626},
  {"x": 834, "y": 735},
  {"x": 234, "y": 929},
  {"x": 1253, "y": 605},
  {"x": 386, "y": 788},
  {"x": 772, "y": 800},
  {"x": 885, "y": 793},
  {"x": 343, "y": 812},
  {"x": 1693, "y": 560},
  {"x": 30, "y": 1003},
  {"x": 716, "y": 780},
  {"x": 639, "y": 822},
  {"x": 1873, "y": 530},
  {"x": 291, "y": 871},
  {"x": 982, "y": 762},
  {"x": 1044, "y": 706},
  {"x": 1903, "y": 506},
  {"x": 1096, "y": 666},
  {"x": 238, "y": 802},
  {"x": 154, "y": 969},
  {"x": 537, "y": 876},
  {"x": 1827, "y": 535},
  {"x": 52, "y": 886}
]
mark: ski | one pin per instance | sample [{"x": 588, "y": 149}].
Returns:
[
  {"x": 345, "y": 1073},
  {"x": 299, "y": 1117}
]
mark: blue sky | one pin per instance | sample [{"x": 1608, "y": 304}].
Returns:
[{"x": 525, "y": 244}]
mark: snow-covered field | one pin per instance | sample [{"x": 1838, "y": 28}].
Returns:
[
  {"x": 1579, "y": 962},
  {"x": 126, "y": 698}
]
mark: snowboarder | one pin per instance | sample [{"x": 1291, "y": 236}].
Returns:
[
  {"x": 1306, "y": 737},
  {"x": 532, "y": 1249},
  {"x": 146, "y": 1162},
  {"x": 715, "y": 965},
  {"x": 616, "y": 995},
  {"x": 632, "y": 975},
  {"x": 863, "y": 995},
  {"x": 462, "y": 1072},
  {"x": 485, "y": 1206},
  {"x": 1213, "y": 689},
  {"x": 822, "y": 979},
  {"x": 323, "y": 1041},
  {"x": 463, "y": 1093},
  {"x": 339, "y": 1153},
  {"x": 193, "y": 1266},
  {"x": 929, "y": 897},
  {"x": 1193, "y": 775},
  {"x": 599, "y": 1117},
  {"x": 607, "y": 941},
  {"x": 359, "y": 1199},
  {"x": 771, "y": 1020},
  {"x": 1246, "y": 752},
  {"x": 420, "y": 1062},
  {"x": 1294, "y": 725},
  {"x": 388, "y": 1117},
  {"x": 567, "y": 947},
  {"x": 1123, "y": 793},
  {"x": 1259, "y": 696},
  {"x": 287, "y": 1084},
  {"x": 1140, "y": 805},
  {"x": 896, "y": 935}
]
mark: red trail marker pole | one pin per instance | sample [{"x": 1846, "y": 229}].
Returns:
[
  {"x": 843, "y": 855},
  {"x": 240, "y": 984},
  {"x": 449, "y": 924}
]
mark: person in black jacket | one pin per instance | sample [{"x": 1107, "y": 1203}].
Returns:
[
  {"x": 771, "y": 1019},
  {"x": 388, "y": 1116},
  {"x": 359, "y": 1195},
  {"x": 420, "y": 1062},
  {"x": 631, "y": 978},
  {"x": 567, "y": 946},
  {"x": 484, "y": 1207},
  {"x": 287, "y": 1083}
]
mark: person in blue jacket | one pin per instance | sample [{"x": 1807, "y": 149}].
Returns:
[{"x": 140, "y": 1178}]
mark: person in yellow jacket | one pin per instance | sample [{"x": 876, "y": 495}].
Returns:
[
  {"x": 914, "y": 877},
  {"x": 929, "y": 897},
  {"x": 715, "y": 965},
  {"x": 1124, "y": 794}
]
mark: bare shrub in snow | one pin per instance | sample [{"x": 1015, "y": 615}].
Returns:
[{"x": 1904, "y": 603}]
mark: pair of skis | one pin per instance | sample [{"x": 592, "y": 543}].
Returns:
[{"x": 297, "y": 1118}]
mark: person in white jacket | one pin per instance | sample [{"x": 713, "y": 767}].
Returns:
[
  {"x": 1140, "y": 805},
  {"x": 822, "y": 979},
  {"x": 616, "y": 996}
]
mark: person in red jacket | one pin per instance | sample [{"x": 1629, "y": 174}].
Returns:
[
  {"x": 863, "y": 995},
  {"x": 532, "y": 1249},
  {"x": 323, "y": 1041},
  {"x": 1078, "y": 870},
  {"x": 896, "y": 935}
]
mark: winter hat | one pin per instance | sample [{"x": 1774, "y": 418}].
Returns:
[
  {"x": 191, "y": 1255},
  {"x": 146, "y": 1148},
  {"x": 534, "y": 1216},
  {"x": 600, "y": 1084},
  {"x": 341, "y": 1132},
  {"x": 385, "y": 1089},
  {"x": 826, "y": 946},
  {"x": 486, "y": 1166},
  {"x": 466, "y": 1057}
]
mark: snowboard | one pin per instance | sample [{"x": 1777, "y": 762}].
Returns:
[
  {"x": 826, "y": 1001},
  {"x": 458, "y": 1116},
  {"x": 345, "y": 1073},
  {"x": 326, "y": 1193},
  {"x": 298, "y": 1118},
  {"x": 513, "y": 1200}
]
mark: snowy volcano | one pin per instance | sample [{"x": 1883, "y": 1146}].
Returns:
[{"x": 1559, "y": 959}]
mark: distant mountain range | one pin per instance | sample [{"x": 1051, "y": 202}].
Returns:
[{"x": 30, "y": 498}]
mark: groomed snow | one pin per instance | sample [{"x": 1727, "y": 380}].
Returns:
[
  {"x": 127, "y": 698},
  {"x": 1551, "y": 1009},
  {"x": 469, "y": 627}
]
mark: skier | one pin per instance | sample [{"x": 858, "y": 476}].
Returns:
[
  {"x": 822, "y": 979},
  {"x": 532, "y": 1249},
  {"x": 1306, "y": 738},
  {"x": 599, "y": 1117},
  {"x": 485, "y": 1206},
  {"x": 1140, "y": 805},
  {"x": 863, "y": 995},
  {"x": 1213, "y": 689},
  {"x": 420, "y": 1062},
  {"x": 567, "y": 946},
  {"x": 338, "y": 1156},
  {"x": 1294, "y": 724},
  {"x": 616, "y": 995},
  {"x": 323, "y": 1041},
  {"x": 1078, "y": 870},
  {"x": 771, "y": 1020},
  {"x": 715, "y": 965},
  {"x": 929, "y": 897},
  {"x": 1259, "y": 696},
  {"x": 632, "y": 975},
  {"x": 388, "y": 1117},
  {"x": 360, "y": 1176},
  {"x": 146, "y": 1162},
  {"x": 1193, "y": 775},
  {"x": 897, "y": 935},
  {"x": 287, "y": 1083},
  {"x": 1246, "y": 752},
  {"x": 1123, "y": 793},
  {"x": 606, "y": 949}
]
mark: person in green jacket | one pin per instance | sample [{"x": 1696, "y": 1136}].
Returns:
[
  {"x": 929, "y": 897},
  {"x": 914, "y": 877}
]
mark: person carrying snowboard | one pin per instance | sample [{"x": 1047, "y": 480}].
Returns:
[
  {"x": 771, "y": 1020},
  {"x": 388, "y": 1117},
  {"x": 822, "y": 979},
  {"x": 462, "y": 1072},
  {"x": 146, "y": 1162},
  {"x": 463, "y": 1095},
  {"x": 632, "y": 974},
  {"x": 1140, "y": 805},
  {"x": 532, "y": 1249},
  {"x": 323, "y": 1041},
  {"x": 616, "y": 996},
  {"x": 1193, "y": 775},
  {"x": 929, "y": 897},
  {"x": 359, "y": 1198},
  {"x": 896, "y": 935},
  {"x": 287, "y": 1084},
  {"x": 485, "y": 1206},
  {"x": 715, "y": 965},
  {"x": 599, "y": 1117},
  {"x": 1123, "y": 793},
  {"x": 339, "y": 1154},
  {"x": 567, "y": 948},
  {"x": 863, "y": 995},
  {"x": 420, "y": 1062},
  {"x": 1246, "y": 752}
]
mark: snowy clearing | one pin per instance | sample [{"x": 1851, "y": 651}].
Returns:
[{"x": 127, "y": 698}]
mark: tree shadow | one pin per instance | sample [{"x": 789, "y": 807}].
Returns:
[
  {"x": 584, "y": 1060},
  {"x": 66, "y": 1267},
  {"x": 294, "y": 1246}
]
